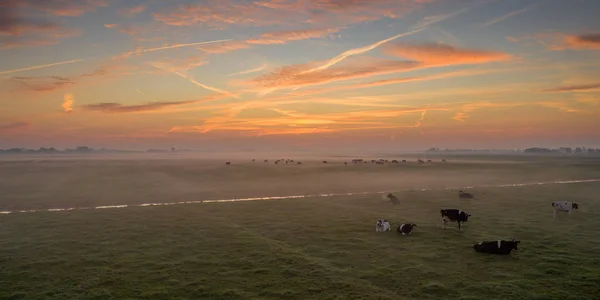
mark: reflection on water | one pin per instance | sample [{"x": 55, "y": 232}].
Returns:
[{"x": 287, "y": 197}]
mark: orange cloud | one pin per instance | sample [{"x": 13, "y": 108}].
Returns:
[
  {"x": 68, "y": 103},
  {"x": 42, "y": 84},
  {"x": 442, "y": 54},
  {"x": 293, "y": 76},
  {"x": 223, "y": 47},
  {"x": 575, "y": 88},
  {"x": 132, "y": 11},
  {"x": 119, "y": 108},
  {"x": 7, "y": 128},
  {"x": 281, "y": 37},
  {"x": 585, "y": 41},
  {"x": 223, "y": 13}
]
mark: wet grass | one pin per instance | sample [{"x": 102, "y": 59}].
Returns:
[{"x": 317, "y": 248}]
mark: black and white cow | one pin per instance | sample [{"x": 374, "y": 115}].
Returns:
[
  {"x": 565, "y": 206},
  {"x": 406, "y": 228},
  {"x": 382, "y": 225},
  {"x": 500, "y": 247},
  {"x": 453, "y": 215}
]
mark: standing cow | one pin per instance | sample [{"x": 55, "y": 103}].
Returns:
[
  {"x": 500, "y": 247},
  {"x": 565, "y": 206},
  {"x": 393, "y": 199},
  {"x": 453, "y": 215}
]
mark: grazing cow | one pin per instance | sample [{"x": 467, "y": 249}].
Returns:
[
  {"x": 382, "y": 226},
  {"x": 429, "y": 161},
  {"x": 462, "y": 194},
  {"x": 500, "y": 247},
  {"x": 444, "y": 160},
  {"x": 565, "y": 206},
  {"x": 420, "y": 161},
  {"x": 324, "y": 161},
  {"x": 227, "y": 163},
  {"x": 405, "y": 228},
  {"x": 453, "y": 215},
  {"x": 404, "y": 161},
  {"x": 299, "y": 163},
  {"x": 266, "y": 160},
  {"x": 393, "y": 199},
  {"x": 253, "y": 159},
  {"x": 379, "y": 163}
]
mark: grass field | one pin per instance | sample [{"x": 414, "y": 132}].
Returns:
[{"x": 309, "y": 248}]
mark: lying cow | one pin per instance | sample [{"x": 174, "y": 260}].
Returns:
[
  {"x": 453, "y": 215},
  {"x": 565, "y": 206},
  {"x": 393, "y": 199},
  {"x": 382, "y": 225},
  {"x": 500, "y": 247},
  {"x": 406, "y": 228}
]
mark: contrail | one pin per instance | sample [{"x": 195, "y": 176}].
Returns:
[
  {"x": 249, "y": 71},
  {"x": 360, "y": 50},
  {"x": 126, "y": 54},
  {"x": 210, "y": 88},
  {"x": 42, "y": 66},
  {"x": 422, "y": 25},
  {"x": 171, "y": 47},
  {"x": 510, "y": 14}
]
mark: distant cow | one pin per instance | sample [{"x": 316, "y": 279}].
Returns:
[
  {"x": 227, "y": 163},
  {"x": 420, "y": 161},
  {"x": 406, "y": 228},
  {"x": 324, "y": 161},
  {"x": 266, "y": 160},
  {"x": 382, "y": 225},
  {"x": 299, "y": 163},
  {"x": 253, "y": 159},
  {"x": 565, "y": 206},
  {"x": 462, "y": 194},
  {"x": 500, "y": 247},
  {"x": 429, "y": 161},
  {"x": 453, "y": 215},
  {"x": 393, "y": 199},
  {"x": 404, "y": 161},
  {"x": 394, "y": 161},
  {"x": 443, "y": 160}
]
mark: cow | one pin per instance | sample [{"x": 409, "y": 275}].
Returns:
[
  {"x": 453, "y": 215},
  {"x": 382, "y": 226},
  {"x": 444, "y": 160},
  {"x": 565, "y": 206},
  {"x": 393, "y": 199},
  {"x": 266, "y": 160},
  {"x": 462, "y": 194},
  {"x": 299, "y": 163},
  {"x": 429, "y": 161},
  {"x": 404, "y": 161},
  {"x": 394, "y": 161},
  {"x": 500, "y": 247},
  {"x": 324, "y": 161},
  {"x": 420, "y": 161},
  {"x": 406, "y": 228},
  {"x": 227, "y": 163}
]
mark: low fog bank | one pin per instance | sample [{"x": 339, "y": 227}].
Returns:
[{"x": 108, "y": 180}]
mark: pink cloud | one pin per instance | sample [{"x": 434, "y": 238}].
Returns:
[
  {"x": 585, "y": 41},
  {"x": 282, "y": 37},
  {"x": 292, "y": 76},
  {"x": 132, "y": 11},
  {"x": 442, "y": 54},
  {"x": 222, "y": 13}
]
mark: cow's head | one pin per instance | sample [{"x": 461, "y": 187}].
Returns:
[
  {"x": 513, "y": 244},
  {"x": 464, "y": 216},
  {"x": 575, "y": 206}
]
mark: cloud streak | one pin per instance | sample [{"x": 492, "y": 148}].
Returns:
[
  {"x": 575, "y": 88},
  {"x": 509, "y": 15}
]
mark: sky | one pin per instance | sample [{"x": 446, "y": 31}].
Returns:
[{"x": 299, "y": 74}]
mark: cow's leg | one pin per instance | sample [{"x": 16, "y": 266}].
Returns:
[
  {"x": 459, "y": 226},
  {"x": 443, "y": 223}
]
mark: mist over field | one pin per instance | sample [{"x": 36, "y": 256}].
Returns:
[{"x": 93, "y": 180}]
